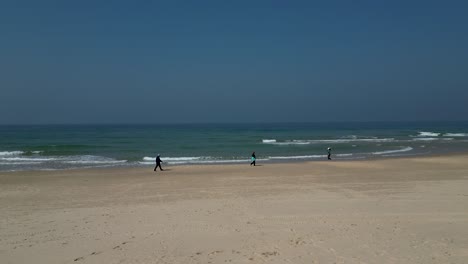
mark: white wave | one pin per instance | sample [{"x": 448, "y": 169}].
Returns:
[
  {"x": 401, "y": 155},
  {"x": 297, "y": 157},
  {"x": 90, "y": 159},
  {"x": 353, "y": 140},
  {"x": 428, "y": 134},
  {"x": 196, "y": 161},
  {"x": 37, "y": 151},
  {"x": 211, "y": 161},
  {"x": 308, "y": 156},
  {"x": 11, "y": 153},
  {"x": 269, "y": 140},
  {"x": 329, "y": 141},
  {"x": 294, "y": 142},
  {"x": 94, "y": 161},
  {"x": 425, "y": 139},
  {"x": 188, "y": 160},
  {"x": 86, "y": 159},
  {"x": 56, "y": 162},
  {"x": 393, "y": 151},
  {"x": 174, "y": 158},
  {"x": 20, "y": 163},
  {"x": 455, "y": 135},
  {"x": 344, "y": 155},
  {"x": 28, "y": 159}
]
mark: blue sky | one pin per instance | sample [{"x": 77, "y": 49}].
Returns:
[{"x": 237, "y": 61}]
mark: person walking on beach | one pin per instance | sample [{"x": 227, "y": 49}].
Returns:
[
  {"x": 158, "y": 163},
  {"x": 329, "y": 153},
  {"x": 253, "y": 159}
]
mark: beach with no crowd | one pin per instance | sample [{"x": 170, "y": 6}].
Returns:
[{"x": 401, "y": 210}]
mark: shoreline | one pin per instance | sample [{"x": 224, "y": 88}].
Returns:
[{"x": 241, "y": 164}]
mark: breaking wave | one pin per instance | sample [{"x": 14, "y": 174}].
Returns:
[
  {"x": 428, "y": 134},
  {"x": 11, "y": 153},
  {"x": 406, "y": 149},
  {"x": 455, "y": 135},
  {"x": 326, "y": 141}
]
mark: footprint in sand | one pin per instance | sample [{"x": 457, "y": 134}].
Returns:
[
  {"x": 118, "y": 247},
  {"x": 270, "y": 253},
  {"x": 215, "y": 252}
]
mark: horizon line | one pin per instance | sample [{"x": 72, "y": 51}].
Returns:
[{"x": 232, "y": 123}]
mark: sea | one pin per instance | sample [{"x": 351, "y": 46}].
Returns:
[{"x": 61, "y": 147}]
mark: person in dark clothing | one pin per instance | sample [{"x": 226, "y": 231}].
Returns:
[
  {"x": 158, "y": 163},
  {"x": 253, "y": 159},
  {"x": 329, "y": 153}
]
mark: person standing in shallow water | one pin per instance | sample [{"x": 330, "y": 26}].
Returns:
[
  {"x": 253, "y": 159},
  {"x": 329, "y": 153},
  {"x": 158, "y": 163}
]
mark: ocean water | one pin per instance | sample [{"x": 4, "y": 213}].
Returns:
[{"x": 52, "y": 147}]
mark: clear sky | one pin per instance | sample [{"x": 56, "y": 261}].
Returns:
[{"x": 232, "y": 61}]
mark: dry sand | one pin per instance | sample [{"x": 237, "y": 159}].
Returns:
[{"x": 412, "y": 210}]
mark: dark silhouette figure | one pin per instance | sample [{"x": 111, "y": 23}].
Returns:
[
  {"x": 253, "y": 159},
  {"x": 329, "y": 153},
  {"x": 158, "y": 163}
]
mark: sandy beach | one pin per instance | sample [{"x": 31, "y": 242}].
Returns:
[{"x": 405, "y": 210}]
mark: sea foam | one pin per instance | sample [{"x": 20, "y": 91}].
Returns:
[
  {"x": 296, "y": 157},
  {"x": 428, "y": 134},
  {"x": 177, "y": 160},
  {"x": 173, "y": 158},
  {"x": 393, "y": 151},
  {"x": 425, "y": 139},
  {"x": 189, "y": 160},
  {"x": 326, "y": 141},
  {"x": 455, "y": 135},
  {"x": 27, "y": 159},
  {"x": 89, "y": 159},
  {"x": 11, "y": 153}
]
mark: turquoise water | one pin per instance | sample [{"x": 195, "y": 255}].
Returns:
[{"x": 78, "y": 146}]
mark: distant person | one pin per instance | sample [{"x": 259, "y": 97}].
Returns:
[
  {"x": 253, "y": 159},
  {"x": 329, "y": 153},
  {"x": 158, "y": 163}
]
